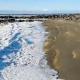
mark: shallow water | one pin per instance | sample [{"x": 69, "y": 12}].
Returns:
[{"x": 63, "y": 48}]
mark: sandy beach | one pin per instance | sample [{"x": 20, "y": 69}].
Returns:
[{"x": 63, "y": 47}]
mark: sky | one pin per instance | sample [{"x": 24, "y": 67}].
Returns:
[{"x": 40, "y": 5}]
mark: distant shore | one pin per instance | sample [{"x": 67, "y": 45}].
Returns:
[{"x": 37, "y": 17}]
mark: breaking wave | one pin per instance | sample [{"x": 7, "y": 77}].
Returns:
[{"x": 21, "y": 52}]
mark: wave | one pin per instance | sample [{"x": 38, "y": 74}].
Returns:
[{"x": 21, "y": 52}]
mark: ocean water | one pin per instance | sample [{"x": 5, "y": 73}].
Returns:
[{"x": 21, "y": 52}]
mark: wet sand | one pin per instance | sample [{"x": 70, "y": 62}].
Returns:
[{"x": 63, "y": 47}]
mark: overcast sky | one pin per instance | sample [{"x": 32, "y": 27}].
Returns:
[{"x": 42, "y": 5}]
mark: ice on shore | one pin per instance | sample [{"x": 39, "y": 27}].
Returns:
[{"x": 21, "y": 52}]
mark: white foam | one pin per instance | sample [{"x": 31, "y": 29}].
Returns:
[{"x": 31, "y": 63}]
